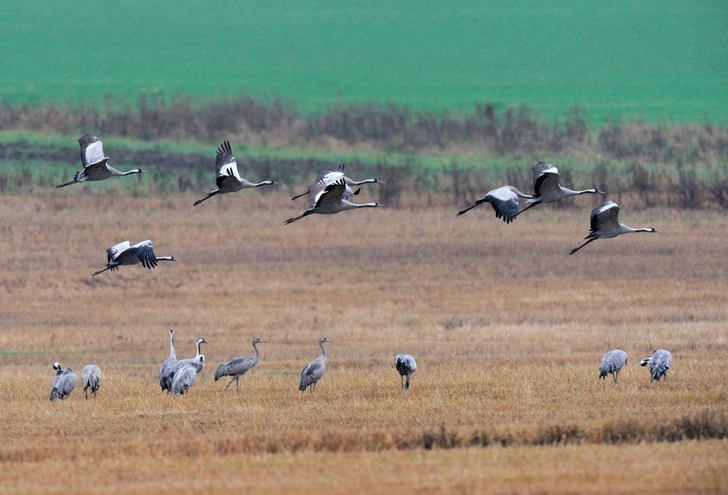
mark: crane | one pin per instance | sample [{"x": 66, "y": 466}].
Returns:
[
  {"x": 659, "y": 362},
  {"x": 313, "y": 371},
  {"x": 405, "y": 365},
  {"x": 504, "y": 201},
  {"x": 126, "y": 254},
  {"x": 165, "y": 376},
  {"x": 547, "y": 188},
  {"x": 228, "y": 178},
  {"x": 239, "y": 366},
  {"x": 91, "y": 378},
  {"x": 63, "y": 383},
  {"x": 612, "y": 362},
  {"x": 173, "y": 368},
  {"x": 185, "y": 376},
  {"x": 605, "y": 224},
  {"x": 95, "y": 164},
  {"x": 331, "y": 176},
  {"x": 328, "y": 199}
]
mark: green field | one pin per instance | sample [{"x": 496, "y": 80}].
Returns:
[{"x": 652, "y": 60}]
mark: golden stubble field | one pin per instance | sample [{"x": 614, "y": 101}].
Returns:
[{"x": 507, "y": 328}]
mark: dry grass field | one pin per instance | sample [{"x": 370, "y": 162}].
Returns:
[{"x": 507, "y": 328}]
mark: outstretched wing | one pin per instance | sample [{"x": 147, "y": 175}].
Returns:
[
  {"x": 145, "y": 252},
  {"x": 92, "y": 151},
  {"x": 504, "y": 202},
  {"x": 605, "y": 216},
  {"x": 225, "y": 164},
  {"x": 331, "y": 175},
  {"x": 545, "y": 178},
  {"x": 331, "y": 193},
  {"x": 114, "y": 251}
]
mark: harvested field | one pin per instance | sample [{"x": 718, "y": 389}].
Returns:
[{"x": 507, "y": 328}]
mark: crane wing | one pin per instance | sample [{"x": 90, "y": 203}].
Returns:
[
  {"x": 605, "y": 216},
  {"x": 92, "y": 151},
  {"x": 331, "y": 194},
  {"x": 114, "y": 251},
  {"x": 312, "y": 373},
  {"x": 145, "y": 252},
  {"x": 547, "y": 180},
  {"x": 504, "y": 202},
  {"x": 331, "y": 174},
  {"x": 225, "y": 164}
]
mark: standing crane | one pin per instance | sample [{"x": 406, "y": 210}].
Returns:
[
  {"x": 165, "y": 371},
  {"x": 173, "y": 368},
  {"x": 91, "y": 378},
  {"x": 239, "y": 366},
  {"x": 605, "y": 224},
  {"x": 405, "y": 365},
  {"x": 95, "y": 164},
  {"x": 228, "y": 178},
  {"x": 612, "y": 362},
  {"x": 327, "y": 199},
  {"x": 185, "y": 376},
  {"x": 313, "y": 371},
  {"x": 126, "y": 254},
  {"x": 659, "y": 362},
  {"x": 331, "y": 176},
  {"x": 63, "y": 383},
  {"x": 504, "y": 201},
  {"x": 547, "y": 188}
]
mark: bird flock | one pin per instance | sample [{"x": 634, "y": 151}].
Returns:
[{"x": 331, "y": 192}]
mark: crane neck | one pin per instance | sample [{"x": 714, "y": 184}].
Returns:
[
  {"x": 256, "y": 355},
  {"x": 324, "y": 355},
  {"x": 570, "y": 192},
  {"x": 350, "y": 182},
  {"x": 172, "y": 352}
]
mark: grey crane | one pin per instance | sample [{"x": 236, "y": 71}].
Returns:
[
  {"x": 659, "y": 362},
  {"x": 228, "y": 178},
  {"x": 184, "y": 378},
  {"x": 504, "y": 201},
  {"x": 91, "y": 379},
  {"x": 328, "y": 199},
  {"x": 126, "y": 254},
  {"x": 179, "y": 364},
  {"x": 331, "y": 176},
  {"x": 605, "y": 224},
  {"x": 612, "y": 362},
  {"x": 547, "y": 188},
  {"x": 165, "y": 371},
  {"x": 313, "y": 371},
  {"x": 95, "y": 164},
  {"x": 405, "y": 365},
  {"x": 63, "y": 383},
  {"x": 239, "y": 366}
]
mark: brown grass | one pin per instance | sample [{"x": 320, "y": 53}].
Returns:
[{"x": 507, "y": 329}]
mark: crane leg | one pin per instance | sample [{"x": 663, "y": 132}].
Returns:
[
  {"x": 229, "y": 383},
  {"x": 578, "y": 248}
]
